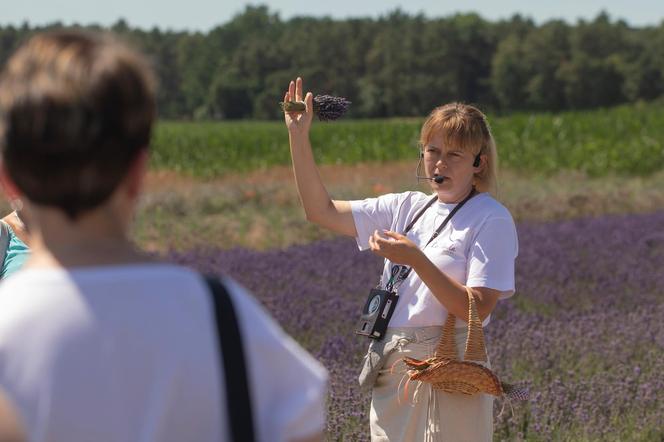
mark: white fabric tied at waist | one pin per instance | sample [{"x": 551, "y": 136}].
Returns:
[
  {"x": 414, "y": 334},
  {"x": 398, "y": 337}
]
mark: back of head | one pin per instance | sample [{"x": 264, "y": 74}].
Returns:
[{"x": 75, "y": 110}]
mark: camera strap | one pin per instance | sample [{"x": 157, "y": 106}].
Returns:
[{"x": 399, "y": 272}]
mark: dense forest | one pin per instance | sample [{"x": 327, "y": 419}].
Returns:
[{"x": 395, "y": 65}]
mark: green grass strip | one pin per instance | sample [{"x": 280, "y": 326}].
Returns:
[{"x": 626, "y": 140}]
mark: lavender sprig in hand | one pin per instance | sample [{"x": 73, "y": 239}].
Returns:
[{"x": 327, "y": 107}]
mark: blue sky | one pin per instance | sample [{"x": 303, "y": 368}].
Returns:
[{"x": 202, "y": 15}]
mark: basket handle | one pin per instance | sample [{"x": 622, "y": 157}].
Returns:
[{"x": 475, "y": 348}]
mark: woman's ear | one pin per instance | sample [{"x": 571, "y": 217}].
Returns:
[{"x": 481, "y": 161}]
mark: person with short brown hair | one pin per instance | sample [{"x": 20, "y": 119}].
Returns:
[
  {"x": 98, "y": 340},
  {"x": 78, "y": 110}
]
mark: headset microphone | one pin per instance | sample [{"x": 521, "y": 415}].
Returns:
[{"x": 436, "y": 178}]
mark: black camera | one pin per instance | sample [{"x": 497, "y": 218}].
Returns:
[{"x": 376, "y": 313}]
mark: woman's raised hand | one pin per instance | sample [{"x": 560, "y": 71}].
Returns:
[{"x": 299, "y": 122}]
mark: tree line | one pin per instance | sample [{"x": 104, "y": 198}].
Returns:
[{"x": 395, "y": 65}]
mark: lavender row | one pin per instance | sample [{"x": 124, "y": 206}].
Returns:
[{"x": 584, "y": 330}]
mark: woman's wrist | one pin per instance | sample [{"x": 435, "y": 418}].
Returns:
[{"x": 419, "y": 260}]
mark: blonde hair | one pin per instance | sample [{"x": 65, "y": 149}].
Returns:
[{"x": 465, "y": 127}]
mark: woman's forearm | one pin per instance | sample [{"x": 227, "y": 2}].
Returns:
[
  {"x": 451, "y": 294},
  {"x": 313, "y": 194},
  {"x": 318, "y": 206}
]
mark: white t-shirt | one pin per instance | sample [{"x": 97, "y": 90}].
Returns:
[
  {"x": 477, "y": 248},
  {"x": 130, "y": 353}
]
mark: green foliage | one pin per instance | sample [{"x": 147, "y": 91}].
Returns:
[
  {"x": 627, "y": 140},
  {"x": 395, "y": 65},
  {"x": 214, "y": 149}
]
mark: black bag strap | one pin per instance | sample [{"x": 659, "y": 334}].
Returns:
[
  {"x": 231, "y": 354},
  {"x": 400, "y": 272},
  {"x": 420, "y": 213}
]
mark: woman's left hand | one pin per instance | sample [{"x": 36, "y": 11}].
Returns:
[{"x": 395, "y": 247}]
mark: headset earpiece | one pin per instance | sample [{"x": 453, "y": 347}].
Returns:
[
  {"x": 421, "y": 154},
  {"x": 477, "y": 161}
]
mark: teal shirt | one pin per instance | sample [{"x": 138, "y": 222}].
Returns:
[{"x": 17, "y": 254}]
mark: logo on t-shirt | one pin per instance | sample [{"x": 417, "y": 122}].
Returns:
[{"x": 450, "y": 249}]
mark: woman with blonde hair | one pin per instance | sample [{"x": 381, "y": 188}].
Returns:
[{"x": 455, "y": 239}]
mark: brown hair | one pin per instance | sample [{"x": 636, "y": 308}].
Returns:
[
  {"x": 75, "y": 110},
  {"x": 465, "y": 127}
]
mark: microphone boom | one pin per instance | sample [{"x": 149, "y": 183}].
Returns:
[{"x": 437, "y": 179}]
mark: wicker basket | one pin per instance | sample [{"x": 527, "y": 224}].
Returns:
[{"x": 446, "y": 372}]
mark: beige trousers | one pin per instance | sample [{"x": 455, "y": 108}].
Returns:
[{"x": 421, "y": 414}]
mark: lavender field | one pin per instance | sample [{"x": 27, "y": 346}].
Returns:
[{"x": 585, "y": 329}]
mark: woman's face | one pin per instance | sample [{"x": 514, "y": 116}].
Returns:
[{"x": 452, "y": 163}]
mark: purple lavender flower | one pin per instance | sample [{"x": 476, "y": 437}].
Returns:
[{"x": 584, "y": 330}]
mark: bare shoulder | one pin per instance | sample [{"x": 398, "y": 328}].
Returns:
[
  {"x": 12, "y": 222},
  {"x": 16, "y": 226},
  {"x": 8, "y": 218}
]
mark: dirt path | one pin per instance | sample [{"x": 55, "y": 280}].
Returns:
[{"x": 261, "y": 209}]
